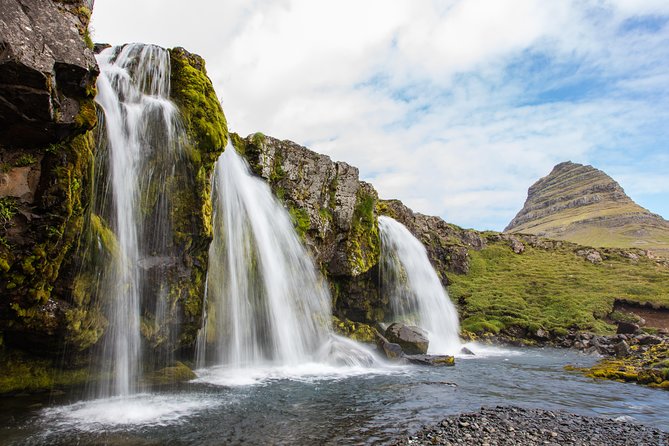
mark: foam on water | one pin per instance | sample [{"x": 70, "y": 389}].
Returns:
[
  {"x": 126, "y": 412},
  {"x": 306, "y": 372},
  {"x": 486, "y": 351},
  {"x": 338, "y": 358}
]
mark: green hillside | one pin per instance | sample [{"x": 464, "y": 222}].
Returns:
[{"x": 550, "y": 286}]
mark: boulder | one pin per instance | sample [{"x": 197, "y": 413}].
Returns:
[
  {"x": 621, "y": 349},
  {"x": 627, "y": 328},
  {"x": 649, "y": 340},
  {"x": 46, "y": 68},
  {"x": 466, "y": 351},
  {"x": 178, "y": 372},
  {"x": 413, "y": 340}
]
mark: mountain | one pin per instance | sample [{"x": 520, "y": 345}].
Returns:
[{"x": 584, "y": 205}]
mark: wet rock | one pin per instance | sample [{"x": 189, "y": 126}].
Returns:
[
  {"x": 431, "y": 360},
  {"x": 466, "y": 351},
  {"x": 179, "y": 372},
  {"x": 45, "y": 69},
  {"x": 649, "y": 340},
  {"x": 621, "y": 349},
  {"x": 391, "y": 350},
  {"x": 627, "y": 328},
  {"x": 542, "y": 335},
  {"x": 413, "y": 340}
]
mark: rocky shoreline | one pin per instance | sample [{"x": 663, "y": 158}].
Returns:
[{"x": 508, "y": 425}]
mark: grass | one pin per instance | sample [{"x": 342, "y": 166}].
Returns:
[{"x": 552, "y": 289}]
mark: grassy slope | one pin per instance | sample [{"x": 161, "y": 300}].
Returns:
[{"x": 551, "y": 289}]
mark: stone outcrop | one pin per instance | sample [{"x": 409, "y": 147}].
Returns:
[
  {"x": 46, "y": 68},
  {"x": 334, "y": 213},
  {"x": 413, "y": 340},
  {"x": 584, "y": 205}
]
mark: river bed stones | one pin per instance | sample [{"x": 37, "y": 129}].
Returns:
[{"x": 504, "y": 425}]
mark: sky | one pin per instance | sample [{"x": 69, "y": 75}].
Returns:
[{"x": 456, "y": 107}]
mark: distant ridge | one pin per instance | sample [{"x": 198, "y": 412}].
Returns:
[{"x": 584, "y": 205}]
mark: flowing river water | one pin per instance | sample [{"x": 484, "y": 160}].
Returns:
[{"x": 316, "y": 404}]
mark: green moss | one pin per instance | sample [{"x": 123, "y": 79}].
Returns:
[
  {"x": 194, "y": 94},
  {"x": 301, "y": 221},
  {"x": 363, "y": 244},
  {"x": 647, "y": 367},
  {"x": 84, "y": 326},
  {"x": 277, "y": 173},
  {"x": 355, "y": 330},
  {"x": 8, "y": 209},
  {"x": 25, "y": 160},
  {"x": 179, "y": 372},
  {"x": 87, "y": 117},
  {"x": 258, "y": 139},
  {"x": 383, "y": 207},
  {"x": 22, "y": 373}
]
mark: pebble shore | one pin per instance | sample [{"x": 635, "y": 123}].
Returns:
[{"x": 503, "y": 425}]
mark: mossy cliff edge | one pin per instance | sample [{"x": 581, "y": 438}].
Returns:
[
  {"x": 47, "y": 149},
  {"x": 51, "y": 232}
]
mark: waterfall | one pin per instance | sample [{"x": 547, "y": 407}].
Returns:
[
  {"x": 415, "y": 291},
  {"x": 266, "y": 302},
  {"x": 139, "y": 151}
]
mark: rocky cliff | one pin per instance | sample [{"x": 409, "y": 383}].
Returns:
[
  {"x": 47, "y": 85},
  {"x": 53, "y": 229},
  {"x": 584, "y": 205},
  {"x": 333, "y": 211}
]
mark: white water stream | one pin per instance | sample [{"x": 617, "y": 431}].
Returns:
[
  {"x": 267, "y": 307},
  {"x": 143, "y": 133},
  {"x": 415, "y": 291}
]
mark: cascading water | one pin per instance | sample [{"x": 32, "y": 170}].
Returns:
[
  {"x": 265, "y": 299},
  {"x": 267, "y": 306},
  {"x": 416, "y": 294},
  {"x": 139, "y": 149}
]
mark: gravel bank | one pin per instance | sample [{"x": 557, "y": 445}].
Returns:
[{"x": 516, "y": 426}]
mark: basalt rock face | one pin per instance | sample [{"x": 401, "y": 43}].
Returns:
[
  {"x": 335, "y": 214},
  {"x": 584, "y": 205},
  {"x": 46, "y": 68},
  {"x": 47, "y": 114},
  {"x": 50, "y": 234}
]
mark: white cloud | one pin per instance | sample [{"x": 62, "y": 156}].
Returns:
[{"x": 419, "y": 94}]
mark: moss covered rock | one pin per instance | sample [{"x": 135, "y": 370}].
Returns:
[{"x": 206, "y": 127}]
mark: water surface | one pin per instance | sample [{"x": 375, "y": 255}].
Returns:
[{"x": 326, "y": 405}]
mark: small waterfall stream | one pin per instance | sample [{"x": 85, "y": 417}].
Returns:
[
  {"x": 140, "y": 149},
  {"x": 266, "y": 303},
  {"x": 415, "y": 291}
]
